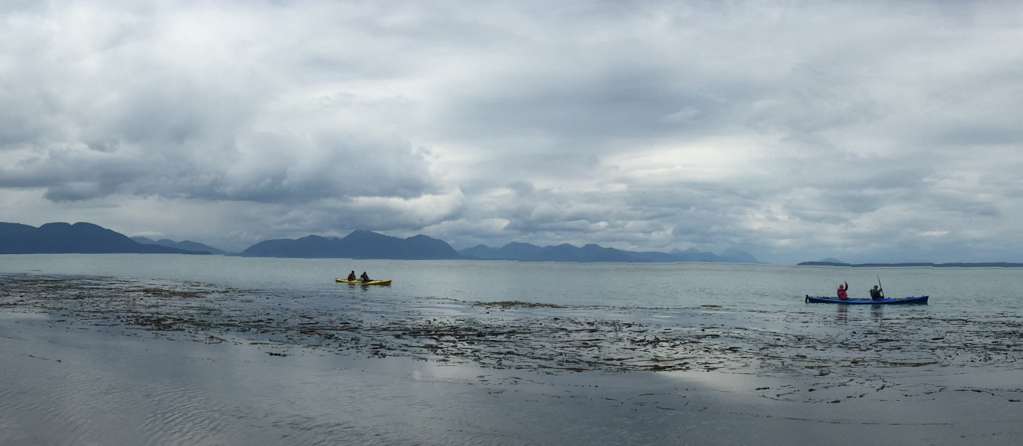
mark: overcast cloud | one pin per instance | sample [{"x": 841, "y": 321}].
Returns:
[{"x": 864, "y": 131}]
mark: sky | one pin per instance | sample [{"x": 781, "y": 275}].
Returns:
[{"x": 865, "y": 131}]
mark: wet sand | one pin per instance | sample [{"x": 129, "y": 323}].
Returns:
[{"x": 112, "y": 361}]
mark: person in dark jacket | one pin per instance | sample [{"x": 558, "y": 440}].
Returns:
[{"x": 876, "y": 293}]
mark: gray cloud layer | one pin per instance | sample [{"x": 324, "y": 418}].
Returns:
[{"x": 867, "y": 131}]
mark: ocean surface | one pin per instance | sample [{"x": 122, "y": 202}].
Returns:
[
  {"x": 737, "y": 287},
  {"x": 233, "y": 350}
]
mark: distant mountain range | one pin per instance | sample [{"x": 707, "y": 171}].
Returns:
[
  {"x": 357, "y": 245},
  {"x": 79, "y": 238},
  {"x": 596, "y": 253},
  {"x": 186, "y": 245},
  {"x": 370, "y": 245},
  {"x": 87, "y": 238}
]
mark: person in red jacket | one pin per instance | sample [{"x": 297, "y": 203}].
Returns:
[
  {"x": 842, "y": 294},
  {"x": 351, "y": 276}
]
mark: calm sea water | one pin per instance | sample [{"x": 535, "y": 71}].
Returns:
[{"x": 669, "y": 285}]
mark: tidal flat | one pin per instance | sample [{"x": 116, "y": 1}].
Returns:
[{"x": 107, "y": 360}]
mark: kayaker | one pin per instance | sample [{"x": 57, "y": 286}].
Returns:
[
  {"x": 842, "y": 291},
  {"x": 876, "y": 293},
  {"x": 364, "y": 277},
  {"x": 351, "y": 276}
]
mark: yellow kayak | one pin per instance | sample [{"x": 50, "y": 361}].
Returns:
[{"x": 371, "y": 282}]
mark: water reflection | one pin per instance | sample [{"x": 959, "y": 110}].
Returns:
[
  {"x": 843, "y": 315},
  {"x": 877, "y": 314}
]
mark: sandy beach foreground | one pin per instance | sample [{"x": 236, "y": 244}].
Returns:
[{"x": 99, "y": 368}]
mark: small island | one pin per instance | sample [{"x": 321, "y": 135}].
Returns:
[{"x": 916, "y": 265}]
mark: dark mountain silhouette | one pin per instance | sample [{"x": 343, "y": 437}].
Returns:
[
  {"x": 596, "y": 253},
  {"x": 357, "y": 245},
  {"x": 370, "y": 245},
  {"x": 312, "y": 246},
  {"x": 15, "y": 228},
  {"x": 187, "y": 245},
  {"x": 80, "y": 238},
  {"x": 421, "y": 245},
  {"x": 481, "y": 252}
]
